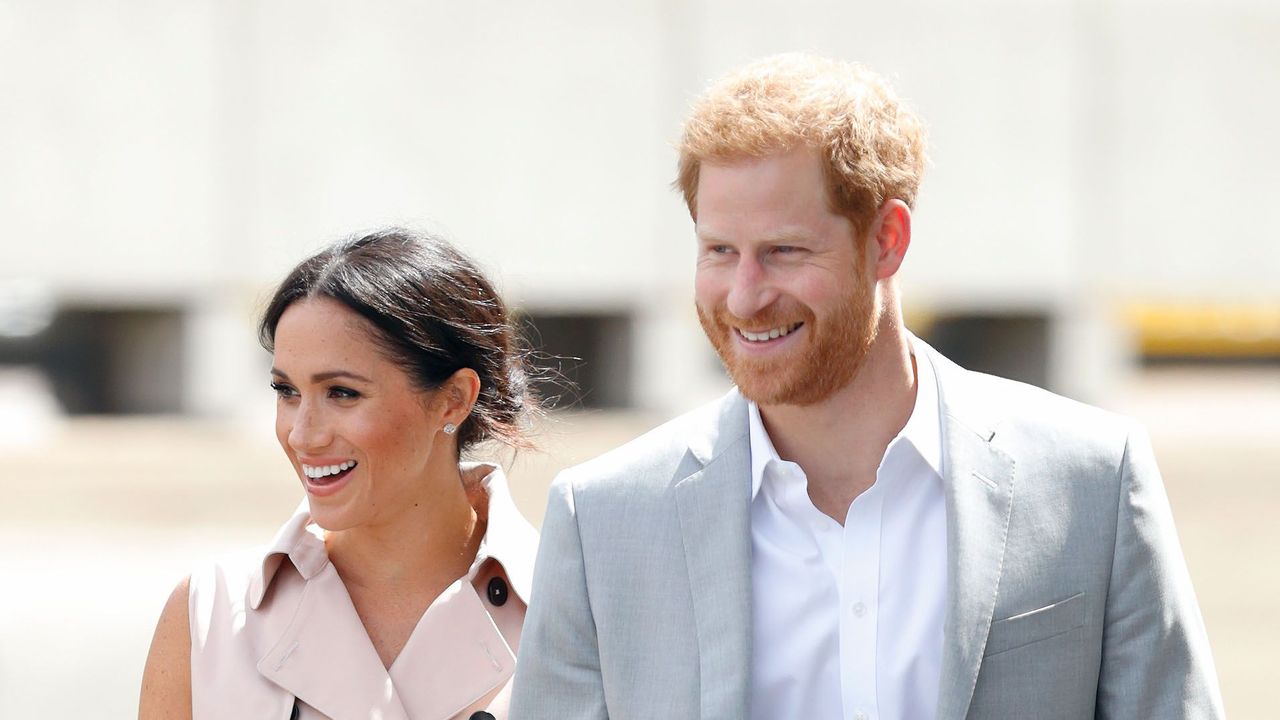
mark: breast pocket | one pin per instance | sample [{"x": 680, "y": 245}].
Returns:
[{"x": 1025, "y": 628}]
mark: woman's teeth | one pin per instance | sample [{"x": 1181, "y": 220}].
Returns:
[
  {"x": 318, "y": 471},
  {"x": 769, "y": 334}
]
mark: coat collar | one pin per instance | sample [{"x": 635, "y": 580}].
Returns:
[
  {"x": 509, "y": 539},
  {"x": 317, "y": 649}
]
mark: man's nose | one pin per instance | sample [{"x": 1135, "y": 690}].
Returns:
[
  {"x": 752, "y": 289},
  {"x": 310, "y": 430}
]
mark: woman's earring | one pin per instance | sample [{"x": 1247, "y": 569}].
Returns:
[{"x": 450, "y": 428}]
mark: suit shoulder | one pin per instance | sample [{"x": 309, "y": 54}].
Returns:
[
  {"x": 1027, "y": 415},
  {"x": 649, "y": 461},
  {"x": 1049, "y": 406}
]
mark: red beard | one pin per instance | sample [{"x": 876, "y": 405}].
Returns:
[{"x": 830, "y": 354}]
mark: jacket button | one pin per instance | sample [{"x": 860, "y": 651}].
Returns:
[
  {"x": 497, "y": 594},
  {"x": 294, "y": 713},
  {"x": 482, "y": 715}
]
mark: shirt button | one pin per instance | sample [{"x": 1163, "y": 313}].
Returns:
[
  {"x": 859, "y": 716},
  {"x": 859, "y": 609},
  {"x": 498, "y": 592}
]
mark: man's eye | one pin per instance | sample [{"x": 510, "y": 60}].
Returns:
[
  {"x": 786, "y": 249},
  {"x": 283, "y": 390}
]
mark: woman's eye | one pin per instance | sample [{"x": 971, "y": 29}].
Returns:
[
  {"x": 283, "y": 390},
  {"x": 342, "y": 393}
]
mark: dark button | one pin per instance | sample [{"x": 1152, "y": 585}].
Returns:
[
  {"x": 497, "y": 594},
  {"x": 480, "y": 714},
  {"x": 293, "y": 714}
]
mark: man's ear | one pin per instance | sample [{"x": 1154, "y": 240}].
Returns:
[
  {"x": 457, "y": 394},
  {"x": 891, "y": 231}
]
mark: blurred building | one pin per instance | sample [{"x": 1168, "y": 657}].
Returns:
[{"x": 1101, "y": 195}]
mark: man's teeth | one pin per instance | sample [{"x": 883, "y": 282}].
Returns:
[
  {"x": 769, "y": 334},
  {"x": 319, "y": 471}
]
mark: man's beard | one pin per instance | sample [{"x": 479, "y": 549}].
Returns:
[{"x": 833, "y": 352}]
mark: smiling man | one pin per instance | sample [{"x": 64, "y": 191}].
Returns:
[{"x": 860, "y": 529}]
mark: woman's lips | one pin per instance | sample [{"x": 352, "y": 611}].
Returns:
[{"x": 329, "y": 484}]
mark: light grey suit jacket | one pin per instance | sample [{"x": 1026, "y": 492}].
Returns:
[{"x": 1068, "y": 593}]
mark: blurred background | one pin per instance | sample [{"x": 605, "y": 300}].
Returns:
[{"x": 1100, "y": 219}]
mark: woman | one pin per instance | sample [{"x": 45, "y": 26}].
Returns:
[{"x": 398, "y": 588}]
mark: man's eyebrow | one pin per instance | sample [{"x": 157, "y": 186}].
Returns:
[
  {"x": 787, "y": 237},
  {"x": 784, "y": 237},
  {"x": 327, "y": 375}
]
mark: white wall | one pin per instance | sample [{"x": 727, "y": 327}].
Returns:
[{"x": 1086, "y": 153}]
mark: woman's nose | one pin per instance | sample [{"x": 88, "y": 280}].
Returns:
[{"x": 310, "y": 431}]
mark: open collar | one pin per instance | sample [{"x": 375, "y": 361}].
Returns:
[
  {"x": 317, "y": 649},
  {"x": 923, "y": 430},
  {"x": 509, "y": 539}
]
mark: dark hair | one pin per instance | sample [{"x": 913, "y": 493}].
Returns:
[{"x": 433, "y": 312}]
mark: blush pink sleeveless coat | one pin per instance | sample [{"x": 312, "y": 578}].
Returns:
[{"x": 276, "y": 629}]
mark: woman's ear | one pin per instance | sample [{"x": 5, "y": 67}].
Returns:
[{"x": 457, "y": 395}]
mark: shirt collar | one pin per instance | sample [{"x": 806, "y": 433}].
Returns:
[
  {"x": 762, "y": 450},
  {"x": 923, "y": 429},
  {"x": 509, "y": 539}
]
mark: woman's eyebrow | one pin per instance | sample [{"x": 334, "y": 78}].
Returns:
[
  {"x": 322, "y": 376},
  {"x": 331, "y": 374}
]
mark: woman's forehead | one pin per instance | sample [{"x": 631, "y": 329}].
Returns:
[{"x": 322, "y": 331}]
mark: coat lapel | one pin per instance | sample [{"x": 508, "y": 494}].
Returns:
[
  {"x": 979, "y": 486},
  {"x": 435, "y": 684},
  {"x": 323, "y": 655},
  {"x": 715, "y": 523}
]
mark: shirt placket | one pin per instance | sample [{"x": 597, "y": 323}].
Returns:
[{"x": 859, "y": 580}]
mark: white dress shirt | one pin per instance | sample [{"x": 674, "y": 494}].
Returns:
[{"x": 847, "y": 621}]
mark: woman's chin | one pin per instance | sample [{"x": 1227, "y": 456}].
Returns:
[{"x": 329, "y": 514}]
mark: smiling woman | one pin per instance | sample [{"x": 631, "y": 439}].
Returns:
[{"x": 398, "y": 588}]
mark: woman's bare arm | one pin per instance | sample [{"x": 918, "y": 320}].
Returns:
[{"x": 166, "y": 681}]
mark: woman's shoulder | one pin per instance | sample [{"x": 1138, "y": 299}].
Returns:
[{"x": 231, "y": 583}]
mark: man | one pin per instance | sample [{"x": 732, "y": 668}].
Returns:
[{"x": 861, "y": 529}]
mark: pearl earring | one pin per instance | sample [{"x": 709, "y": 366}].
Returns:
[{"x": 450, "y": 428}]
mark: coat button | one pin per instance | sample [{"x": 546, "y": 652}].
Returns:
[
  {"x": 498, "y": 591},
  {"x": 295, "y": 712},
  {"x": 482, "y": 715}
]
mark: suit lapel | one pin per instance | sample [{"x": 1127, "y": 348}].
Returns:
[
  {"x": 323, "y": 655},
  {"x": 979, "y": 486},
  {"x": 715, "y": 523}
]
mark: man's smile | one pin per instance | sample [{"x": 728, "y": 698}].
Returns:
[{"x": 768, "y": 334}]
